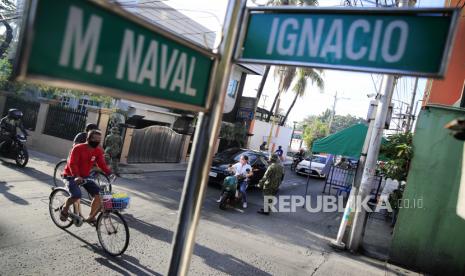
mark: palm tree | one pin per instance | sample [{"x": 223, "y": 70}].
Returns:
[
  {"x": 303, "y": 75},
  {"x": 286, "y": 75}
]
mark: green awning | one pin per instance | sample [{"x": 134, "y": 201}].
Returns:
[{"x": 347, "y": 142}]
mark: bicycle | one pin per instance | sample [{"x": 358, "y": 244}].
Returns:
[{"x": 109, "y": 224}]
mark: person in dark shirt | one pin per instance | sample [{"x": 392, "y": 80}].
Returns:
[{"x": 81, "y": 137}]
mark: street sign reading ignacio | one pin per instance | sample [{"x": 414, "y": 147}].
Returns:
[
  {"x": 99, "y": 48},
  {"x": 401, "y": 41}
]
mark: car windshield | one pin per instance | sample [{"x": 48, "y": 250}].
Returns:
[
  {"x": 319, "y": 159},
  {"x": 252, "y": 157},
  {"x": 228, "y": 154}
]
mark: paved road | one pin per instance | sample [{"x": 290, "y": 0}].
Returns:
[{"x": 228, "y": 242}]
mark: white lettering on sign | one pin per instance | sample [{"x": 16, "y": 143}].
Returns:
[
  {"x": 170, "y": 68},
  {"x": 403, "y": 28},
  {"x": 291, "y": 37},
  {"x": 149, "y": 67},
  {"x": 350, "y": 53},
  {"x": 84, "y": 43},
  {"x": 375, "y": 41},
  {"x": 335, "y": 34},
  {"x": 312, "y": 38},
  {"x": 130, "y": 56}
]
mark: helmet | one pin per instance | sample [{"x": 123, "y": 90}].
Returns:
[
  {"x": 15, "y": 114},
  {"x": 91, "y": 126},
  {"x": 274, "y": 157}
]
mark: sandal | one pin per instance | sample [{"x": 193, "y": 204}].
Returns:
[
  {"x": 63, "y": 215},
  {"x": 91, "y": 220}
]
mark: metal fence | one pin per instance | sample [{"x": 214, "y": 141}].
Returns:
[
  {"x": 64, "y": 122},
  {"x": 30, "y": 110},
  {"x": 339, "y": 179}
]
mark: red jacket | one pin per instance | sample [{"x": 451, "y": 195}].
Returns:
[{"x": 82, "y": 159}]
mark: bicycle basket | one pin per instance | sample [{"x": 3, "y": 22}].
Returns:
[{"x": 114, "y": 201}]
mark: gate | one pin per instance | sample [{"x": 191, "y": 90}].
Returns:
[{"x": 156, "y": 144}]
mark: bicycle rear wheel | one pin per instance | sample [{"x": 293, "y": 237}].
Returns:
[
  {"x": 113, "y": 233},
  {"x": 58, "y": 172},
  {"x": 57, "y": 200}
]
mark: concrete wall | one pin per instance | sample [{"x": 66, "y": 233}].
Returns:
[
  {"x": 281, "y": 136},
  {"x": 432, "y": 239}
]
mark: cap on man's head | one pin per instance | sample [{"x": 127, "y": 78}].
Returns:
[
  {"x": 274, "y": 157},
  {"x": 91, "y": 126}
]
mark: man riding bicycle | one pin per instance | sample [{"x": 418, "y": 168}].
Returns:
[{"x": 79, "y": 165}]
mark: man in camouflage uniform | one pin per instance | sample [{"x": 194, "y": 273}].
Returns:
[
  {"x": 271, "y": 180},
  {"x": 113, "y": 145}
]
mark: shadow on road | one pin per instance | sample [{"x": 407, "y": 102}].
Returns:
[
  {"x": 221, "y": 262},
  {"x": 30, "y": 172},
  {"x": 125, "y": 264},
  {"x": 12, "y": 197}
]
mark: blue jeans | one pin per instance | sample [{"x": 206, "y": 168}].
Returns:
[{"x": 243, "y": 188}]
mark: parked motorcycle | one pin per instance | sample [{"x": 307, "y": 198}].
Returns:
[
  {"x": 16, "y": 150},
  {"x": 228, "y": 198}
]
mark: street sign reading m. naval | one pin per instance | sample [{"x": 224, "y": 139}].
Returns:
[
  {"x": 97, "y": 47},
  {"x": 401, "y": 41}
]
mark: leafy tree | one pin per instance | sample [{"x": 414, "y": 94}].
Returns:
[
  {"x": 287, "y": 74},
  {"x": 5, "y": 72},
  {"x": 7, "y": 7},
  {"x": 343, "y": 122},
  {"x": 314, "y": 131},
  {"x": 235, "y": 134},
  {"x": 339, "y": 122},
  {"x": 399, "y": 150}
]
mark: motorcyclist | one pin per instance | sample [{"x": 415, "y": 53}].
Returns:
[
  {"x": 300, "y": 154},
  {"x": 298, "y": 157},
  {"x": 8, "y": 125}
]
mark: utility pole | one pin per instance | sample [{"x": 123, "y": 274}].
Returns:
[
  {"x": 370, "y": 163},
  {"x": 350, "y": 205},
  {"x": 333, "y": 111},
  {"x": 387, "y": 90},
  {"x": 264, "y": 100},
  {"x": 411, "y": 112}
]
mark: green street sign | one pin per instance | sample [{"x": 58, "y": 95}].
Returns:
[
  {"x": 394, "y": 41},
  {"x": 98, "y": 47}
]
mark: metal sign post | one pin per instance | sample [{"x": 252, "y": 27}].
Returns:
[{"x": 205, "y": 139}]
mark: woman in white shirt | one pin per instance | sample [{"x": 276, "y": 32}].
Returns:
[{"x": 243, "y": 171}]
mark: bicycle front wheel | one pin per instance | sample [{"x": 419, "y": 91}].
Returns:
[
  {"x": 58, "y": 172},
  {"x": 113, "y": 233}
]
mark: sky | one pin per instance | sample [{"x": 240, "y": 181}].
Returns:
[{"x": 352, "y": 88}]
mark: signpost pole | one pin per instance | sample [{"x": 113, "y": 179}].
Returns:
[
  {"x": 387, "y": 90},
  {"x": 205, "y": 138}
]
